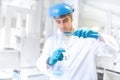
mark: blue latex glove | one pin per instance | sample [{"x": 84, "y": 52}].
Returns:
[
  {"x": 85, "y": 33},
  {"x": 57, "y": 56}
]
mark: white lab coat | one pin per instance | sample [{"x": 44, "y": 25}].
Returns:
[{"x": 79, "y": 60}]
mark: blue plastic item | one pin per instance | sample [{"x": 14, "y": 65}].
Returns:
[
  {"x": 60, "y": 9},
  {"x": 57, "y": 56},
  {"x": 86, "y": 33}
]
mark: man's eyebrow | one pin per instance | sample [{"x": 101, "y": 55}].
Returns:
[{"x": 66, "y": 19}]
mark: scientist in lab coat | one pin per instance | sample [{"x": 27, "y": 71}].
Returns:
[{"x": 70, "y": 54}]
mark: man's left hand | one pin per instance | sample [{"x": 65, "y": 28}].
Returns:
[{"x": 86, "y": 33}]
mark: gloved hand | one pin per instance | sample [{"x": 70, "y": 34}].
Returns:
[
  {"x": 57, "y": 56},
  {"x": 85, "y": 33}
]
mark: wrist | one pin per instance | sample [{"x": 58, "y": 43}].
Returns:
[
  {"x": 51, "y": 62},
  {"x": 101, "y": 38}
]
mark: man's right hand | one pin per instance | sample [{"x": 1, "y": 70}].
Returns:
[{"x": 57, "y": 56}]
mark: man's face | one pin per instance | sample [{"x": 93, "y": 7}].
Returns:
[{"x": 64, "y": 23}]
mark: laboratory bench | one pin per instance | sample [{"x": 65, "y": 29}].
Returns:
[
  {"x": 22, "y": 74},
  {"x": 34, "y": 74}
]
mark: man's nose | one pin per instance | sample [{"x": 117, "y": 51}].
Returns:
[{"x": 62, "y": 25}]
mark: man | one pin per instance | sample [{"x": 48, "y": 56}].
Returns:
[{"x": 70, "y": 55}]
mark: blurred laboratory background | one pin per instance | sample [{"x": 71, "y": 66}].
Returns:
[{"x": 25, "y": 26}]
